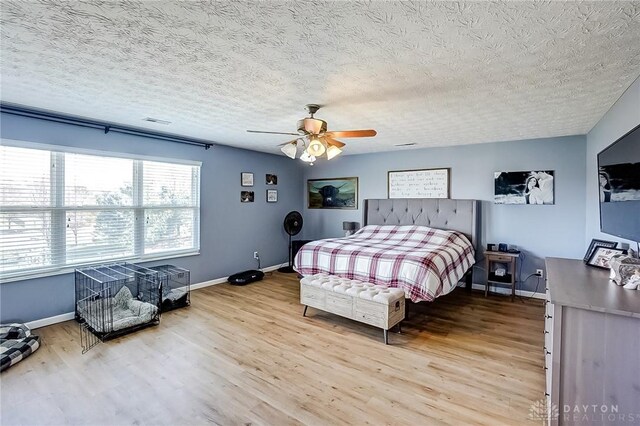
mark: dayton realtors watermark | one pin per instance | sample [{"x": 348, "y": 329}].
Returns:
[
  {"x": 594, "y": 413},
  {"x": 582, "y": 413}
]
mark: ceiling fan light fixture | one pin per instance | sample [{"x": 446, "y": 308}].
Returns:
[
  {"x": 316, "y": 147},
  {"x": 290, "y": 150},
  {"x": 333, "y": 151},
  {"x": 307, "y": 158}
]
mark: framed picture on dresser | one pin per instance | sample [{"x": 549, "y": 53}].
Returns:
[
  {"x": 598, "y": 243},
  {"x": 601, "y": 257}
]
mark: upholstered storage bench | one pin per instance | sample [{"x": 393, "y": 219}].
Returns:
[{"x": 371, "y": 304}]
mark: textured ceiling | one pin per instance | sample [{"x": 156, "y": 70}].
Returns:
[{"x": 434, "y": 74}]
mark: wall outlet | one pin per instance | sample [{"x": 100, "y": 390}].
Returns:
[
  {"x": 256, "y": 255},
  {"x": 540, "y": 273}
]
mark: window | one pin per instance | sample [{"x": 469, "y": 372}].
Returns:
[{"x": 61, "y": 209}]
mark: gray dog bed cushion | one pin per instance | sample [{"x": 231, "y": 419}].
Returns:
[
  {"x": 126, "y": 312},
  {"x": 16, "y": 344}
]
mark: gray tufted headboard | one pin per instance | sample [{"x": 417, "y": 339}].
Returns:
[{"x": 454, "y": 215}]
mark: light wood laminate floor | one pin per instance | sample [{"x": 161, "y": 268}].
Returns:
[{"x": 245, "y": 355}]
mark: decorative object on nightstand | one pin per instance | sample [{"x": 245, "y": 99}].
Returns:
[
  {"x": 349, "y": 228},
  {"x": 501, "y": 269}
]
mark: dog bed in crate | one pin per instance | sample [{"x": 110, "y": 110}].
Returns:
[
  {"x": 16, "y": 343},
  {"x": 124, "y": 310}
]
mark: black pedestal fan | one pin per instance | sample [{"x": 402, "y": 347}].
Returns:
[{"x": 292, "y": 226}]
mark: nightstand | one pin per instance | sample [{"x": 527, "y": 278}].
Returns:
[{"x": 507, "y": 261}]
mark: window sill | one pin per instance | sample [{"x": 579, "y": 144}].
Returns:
[{"x": 23, "y": 276}]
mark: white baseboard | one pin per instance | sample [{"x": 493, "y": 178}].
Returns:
[
  {"x": 224, "y": 279},
  {"x": 51, "y": 320},
  {"x": 507, "y": 291},
  {"x": 71, "y": 315}
]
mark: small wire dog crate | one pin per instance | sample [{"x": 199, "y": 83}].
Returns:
[
  {"x": 115, "y": 299},
  {"x": 176, "y": 286}
]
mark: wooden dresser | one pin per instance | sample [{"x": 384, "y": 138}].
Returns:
[{"x": 592, "y": 346}]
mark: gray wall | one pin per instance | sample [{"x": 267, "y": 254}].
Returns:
[
  {"x": 623, "y": 116},
  {"x": 230, "y": 231},
  {"x": 540, "y": 231}
]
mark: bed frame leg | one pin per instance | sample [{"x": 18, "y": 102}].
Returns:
[
  {"x": 400, "y": 328},
  {"x": 304, "y": 313},
  {"x": 386, "y": 337},
  {"x": 469, "y": 280}
]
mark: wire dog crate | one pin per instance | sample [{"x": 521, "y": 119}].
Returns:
[
  {"x": 115, "y": 299},
  {"x": 176, "y": 286}
]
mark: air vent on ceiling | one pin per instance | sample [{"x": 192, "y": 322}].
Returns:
[
  {"x": 156, "y": 120},
  {"x": 406, "y": 144}
]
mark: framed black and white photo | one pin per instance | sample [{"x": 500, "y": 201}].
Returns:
[
  {"x": 527, "y": 187},
  {"x": 272, "y": 195},
  {"x": 598, "y": 243},
  {"x": 246, "y": 179},
  {"x": 601, "y": 257},
  {"x": 246, "y": 196},
  {"x": 271, "y": 179}
]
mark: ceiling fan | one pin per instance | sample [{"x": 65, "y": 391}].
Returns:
[{"x": 314, "y": 138}]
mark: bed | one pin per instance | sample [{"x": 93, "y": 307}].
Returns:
[{"x": 424, "y": 246}]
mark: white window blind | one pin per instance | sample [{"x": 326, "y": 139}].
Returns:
[{"x": 59, "y": 210}]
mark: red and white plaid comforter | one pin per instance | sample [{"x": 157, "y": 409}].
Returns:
[{"x": 425, "y": 262}]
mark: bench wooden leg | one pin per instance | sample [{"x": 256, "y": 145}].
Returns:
[
  {"x": 304, "y": 313},
  {"x": 386, "y": 337},
  {"x": 399, "y": 328}
]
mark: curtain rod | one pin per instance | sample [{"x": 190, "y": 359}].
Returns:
[{"x": 95, "y": 124}]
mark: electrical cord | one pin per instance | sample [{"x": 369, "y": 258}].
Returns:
[{"x": 521, "y": 281}]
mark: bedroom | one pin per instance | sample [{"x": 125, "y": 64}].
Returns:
[{"x": 473, "y": 88}]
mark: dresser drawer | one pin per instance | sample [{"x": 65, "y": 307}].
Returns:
[{"x": 498, "y": 258}]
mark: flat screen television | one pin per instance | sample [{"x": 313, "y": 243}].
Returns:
[{"x": 619, "y": 186}]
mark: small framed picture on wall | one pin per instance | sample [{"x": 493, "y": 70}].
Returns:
[
  {"x": 271, "y": 179},
  {"x": 246, "y": 179},
  {"x": 272, "y": 195},
  {"x": 246, "y": 196}
]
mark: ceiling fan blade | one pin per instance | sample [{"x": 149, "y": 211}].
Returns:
[
  {"x": 331, "y": 141},
  {"x": 287, "y": 143},
  {"x": 273, "y": 133},
  {"x": 352, "y": 133}
]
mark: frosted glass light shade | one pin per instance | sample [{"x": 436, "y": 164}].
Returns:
[
  {"x": 307, "y": 158},
  {"x": 290, "y": 150},
  {"x": 333, "y": 151},
  {"x": 315, "y": 148}
]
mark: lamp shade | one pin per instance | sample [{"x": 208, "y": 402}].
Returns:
[
  {"x": 315, "y": 148},
  {"x": 307, "y": 158},
  {"x": 349, "y": 226},
  {"x": 290, "y": 150},
  {"x": 333, "y": 151}
]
